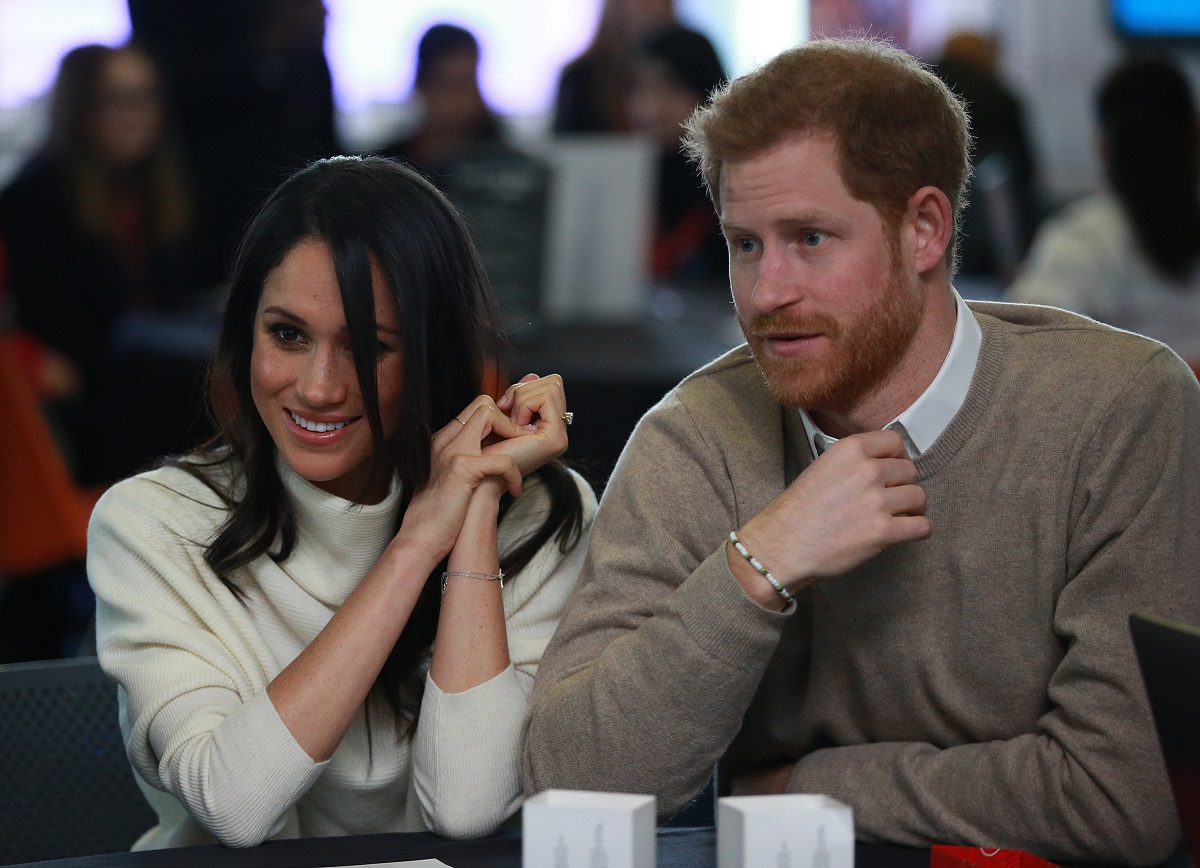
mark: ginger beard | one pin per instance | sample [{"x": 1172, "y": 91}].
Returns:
[{"x": 863, "y": 352}]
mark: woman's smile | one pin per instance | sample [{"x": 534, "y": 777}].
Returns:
[{"x": 303, "y": 377}]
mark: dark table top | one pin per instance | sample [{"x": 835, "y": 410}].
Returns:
[{"x": 677, "y": 848}]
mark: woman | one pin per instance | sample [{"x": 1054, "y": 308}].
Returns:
[
  {"x": 455, "y": 119},
  {"x": 674, "y": 71},
  {"x": 592, "y": 88},
  {"x": 1130, "y": 256},
  {"x": 272, "y": 605},
  {"x": 99, "y": 226}
]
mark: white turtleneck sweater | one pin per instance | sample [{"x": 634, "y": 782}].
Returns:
[{"x": 193, "y": 662}]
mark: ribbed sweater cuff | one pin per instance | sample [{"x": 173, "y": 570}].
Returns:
[
  {"x": 723, "y": 621},
  {"x": 465, "y": 754},
  {"x": 257, "y": 754}
]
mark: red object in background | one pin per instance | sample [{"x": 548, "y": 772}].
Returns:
[{"x": 943, "y": 856}]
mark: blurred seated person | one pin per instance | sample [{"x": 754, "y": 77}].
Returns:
[
  {"x": 995, "y": 235},
  {"x": 454, "y": 119},
  {"x": 1130, "y": 255},
  {"x": 49, "y": 373},
  {"x": 593, "y": 88},
  {"x": 501, "y": 190},
  {"x": 674, "y": 72},
  {"x": 98, "y": 227},
  {"x": 252, "y": 98}
]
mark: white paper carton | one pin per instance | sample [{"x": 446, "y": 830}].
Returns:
[
  {"x": 790, "y": 831},
  {"x": 576, "y": 829}
]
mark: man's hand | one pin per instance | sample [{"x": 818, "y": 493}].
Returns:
[
  {"x": 766, "y": 781},
  {"x": 854, "y": 501}
]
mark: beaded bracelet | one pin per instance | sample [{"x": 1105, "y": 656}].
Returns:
[
  {"x": 468, "y": 574},
  {"x": 741, "y": 550}
]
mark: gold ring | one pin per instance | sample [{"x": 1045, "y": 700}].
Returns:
[
  {"x": 460, "y": 421},
  {"x": 568, "y": 417}
]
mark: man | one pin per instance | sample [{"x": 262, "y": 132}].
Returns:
[{"x": 965, "y": 504}]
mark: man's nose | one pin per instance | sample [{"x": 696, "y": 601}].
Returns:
[{"x": 776, "y": 284}]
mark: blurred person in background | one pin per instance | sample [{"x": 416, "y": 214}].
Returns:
[
  {"x": 594, "y": 87},
  {"x": 1002, "y": 203},
  {"x": 99, "y": 228},
  {"x": 45, "y": 604},
  {"x": 1130, "y": 255},
  {"x": 674, "y": 71},
  {"x": 454, "y": 119},
  {"x": 254, "y": 96}
]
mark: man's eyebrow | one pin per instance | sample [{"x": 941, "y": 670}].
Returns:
[{"x": 808, "y": 220}]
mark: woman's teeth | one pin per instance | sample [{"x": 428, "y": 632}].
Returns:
[{"x": 318, "y": 427}]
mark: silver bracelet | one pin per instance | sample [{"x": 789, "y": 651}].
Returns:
[
  {"x": 766, "y": 574},
  {"x": 470, "y": 574}
]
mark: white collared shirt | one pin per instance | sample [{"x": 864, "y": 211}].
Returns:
[{"x": 928, "y": 416}]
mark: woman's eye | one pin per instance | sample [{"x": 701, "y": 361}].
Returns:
[
  {"x": 286, "y": 334},
  {"x": 747, "y": 245}
]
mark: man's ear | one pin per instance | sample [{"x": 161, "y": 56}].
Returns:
[{"x": 929, "y": 225}]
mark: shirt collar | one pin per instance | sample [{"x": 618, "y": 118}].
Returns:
[{"x": 928, "y": 416}]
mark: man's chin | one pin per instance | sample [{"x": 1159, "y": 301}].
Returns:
[{"x": 793, "y": 384}]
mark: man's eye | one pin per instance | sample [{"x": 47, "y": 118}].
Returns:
[
  {"x": 812, "y": 239},
  {"x": 747, "y": 245}
]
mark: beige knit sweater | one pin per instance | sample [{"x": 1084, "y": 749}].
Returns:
[{"x": 978, "y": 687}]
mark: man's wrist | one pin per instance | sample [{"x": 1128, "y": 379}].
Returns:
[{"x": 755, "y": 586}]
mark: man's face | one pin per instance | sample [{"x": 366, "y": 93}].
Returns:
[{"x": 821, "y": 290}]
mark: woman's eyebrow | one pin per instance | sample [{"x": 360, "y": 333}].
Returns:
[{"x": 284, "y": 312}]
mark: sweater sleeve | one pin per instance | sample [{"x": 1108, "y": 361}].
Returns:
[
  {"x": 465, "y": 771},
  {"x": 645, "y": 683},
  {"x": 196, "y": 718},
  {"x": 1089, "y": 783}
]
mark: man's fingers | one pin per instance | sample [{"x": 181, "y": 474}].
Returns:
[
  {"x": 875, "y": 444},
  {"x": 897, "y": 471},
  {"x": 905, "y": 500},
  {"x": 909, "y": 528}
]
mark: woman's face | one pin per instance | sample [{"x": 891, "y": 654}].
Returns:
[
  {"x": 127, "y": 121},
  {"x": 453, "y": 105},
  {"x": 658, "y": 105},
  {"x": 302, "y": 374}
]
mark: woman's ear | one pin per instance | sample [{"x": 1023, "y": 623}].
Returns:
[{"x": 929, "y": 225}]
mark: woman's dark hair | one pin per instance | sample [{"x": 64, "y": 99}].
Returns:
[
  {"x": 1148, "y": 120},
  {"x": 369, "y": 211}
]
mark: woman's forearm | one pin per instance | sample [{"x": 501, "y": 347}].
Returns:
[
  {"x": 472, "y": 645},
  {"x": 318, "y": 694}
]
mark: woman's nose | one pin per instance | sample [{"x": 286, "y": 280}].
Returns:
[{"x": 325, "y": 378}]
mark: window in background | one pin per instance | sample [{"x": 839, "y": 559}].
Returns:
[{"x": 34, "y": 35}]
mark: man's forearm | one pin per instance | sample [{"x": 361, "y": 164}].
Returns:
[{"x": 658, "y": 706}]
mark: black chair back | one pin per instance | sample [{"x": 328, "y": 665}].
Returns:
[{"x": 66, "y": 786}]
